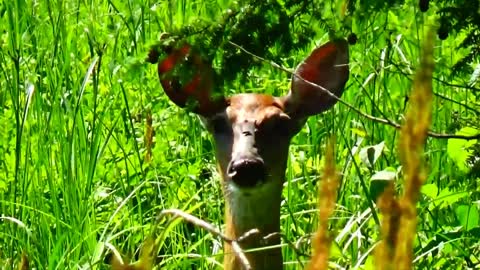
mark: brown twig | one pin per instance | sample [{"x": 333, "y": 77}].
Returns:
[
  {"x": 293, "y": 246},
  {"x": 213, "y": 230},
  {"x": 465, "y": 87},
  {"x": 385, "y": 121}
]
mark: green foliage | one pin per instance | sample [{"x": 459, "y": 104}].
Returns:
[
  {"x": 263, "y": 28},
  {"x": 75, "y": 96},
  {"x": 461, "y": 17},
  {"x": 460, "y": 150},
  {"x": 468, "y": 216}
]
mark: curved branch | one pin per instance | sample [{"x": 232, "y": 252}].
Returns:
[{"x": 213, "y": 230}]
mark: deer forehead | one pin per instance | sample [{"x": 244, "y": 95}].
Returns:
[{"x": 256, "y": 108}]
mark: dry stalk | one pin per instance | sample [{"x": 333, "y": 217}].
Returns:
[
  {"x": 146, "y": 261},
  {"x": 327, "y": 194},
  {"x": 24, "y": 262},
  {"x": 400, "y": 215},
  {"x": 213, "y": 230},
  {"x": 149, "y": 133},
  {"x": 150, "y": 247},
  {"x": 390, "y": 210}
]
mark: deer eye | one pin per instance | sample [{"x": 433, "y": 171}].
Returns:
[
  {"x": 220, "y": 126},
  {"x": 281, "y": 125},
  {"x": 277, "y": 125}
]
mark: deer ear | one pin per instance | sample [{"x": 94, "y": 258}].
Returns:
[
  {"x": 326, "y": 66},
  {"x": 189, "y": 82}
]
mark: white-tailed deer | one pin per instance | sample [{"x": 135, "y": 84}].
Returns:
[{"x": 252, "y": 133}]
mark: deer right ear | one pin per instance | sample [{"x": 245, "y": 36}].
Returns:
[
  {"x": 326, "y": 66},
  {"x": 188, "y": 82}
]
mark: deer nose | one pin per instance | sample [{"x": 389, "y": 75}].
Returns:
[{"x": 247, "y": 172}]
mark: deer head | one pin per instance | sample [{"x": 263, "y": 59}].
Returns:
[{"x": 252, "y": 134}]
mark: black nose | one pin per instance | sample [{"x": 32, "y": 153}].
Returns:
[{"x": 246, "y": 172}]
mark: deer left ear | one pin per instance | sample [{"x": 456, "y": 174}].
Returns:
[
  {"x": 326, "y": 66},
  {"x": 193, "y": 87}
]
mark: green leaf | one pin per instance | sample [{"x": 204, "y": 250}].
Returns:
[
  {"x": 430, "y": 190},
  {"x": 447, "y": 197},
  {"x": 369, "y": 263},
  {"x": 468, "y": 216},
  {"x": 380, "y": 180},
  {"x": 335, "y": 251},
  {"x": 370, "y": 154},
  {"x": 389, "y": 174},
  {"x": 359, "y": 132},
  {"x": 457, "y": 149}
]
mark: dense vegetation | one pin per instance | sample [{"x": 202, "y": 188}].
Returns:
[{"x": 91, "y": 150}]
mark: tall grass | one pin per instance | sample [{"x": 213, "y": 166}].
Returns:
[{"x": 76, "y": 99}]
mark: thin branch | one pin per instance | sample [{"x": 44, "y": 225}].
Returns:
[
  {"x": 465, "y": 87},
  {"x": 457, "y": 102},
  {"x": 293, "y": 246},
  {"x": 213, "y": 230},
  {"x": 385, "y": 121}
]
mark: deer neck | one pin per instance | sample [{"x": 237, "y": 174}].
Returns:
[{"x": 254, "y": 209}]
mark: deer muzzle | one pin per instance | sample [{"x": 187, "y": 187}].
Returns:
[{"x": 246, "y": 168}]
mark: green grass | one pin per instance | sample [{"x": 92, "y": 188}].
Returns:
[{"x": 74, "y": 101}]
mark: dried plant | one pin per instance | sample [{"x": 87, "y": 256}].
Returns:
[
  {"x": 400, "y": 215},
  {"x": 149, "y": 133},
  {"x": 327, "y": 194},
  {"x": 24, "y": 262},
  {"x": 146, "y": 261}
]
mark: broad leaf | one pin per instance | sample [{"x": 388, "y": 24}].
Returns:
[
  {"x": 370, "y": 154},
  {"x": 457, "y": 149},
  {"x": 430, "y": 190},
  {"x": 468, "y": 216}
]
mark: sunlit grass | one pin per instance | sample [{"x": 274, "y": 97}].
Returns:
[{"x": 74, "y": 179}]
